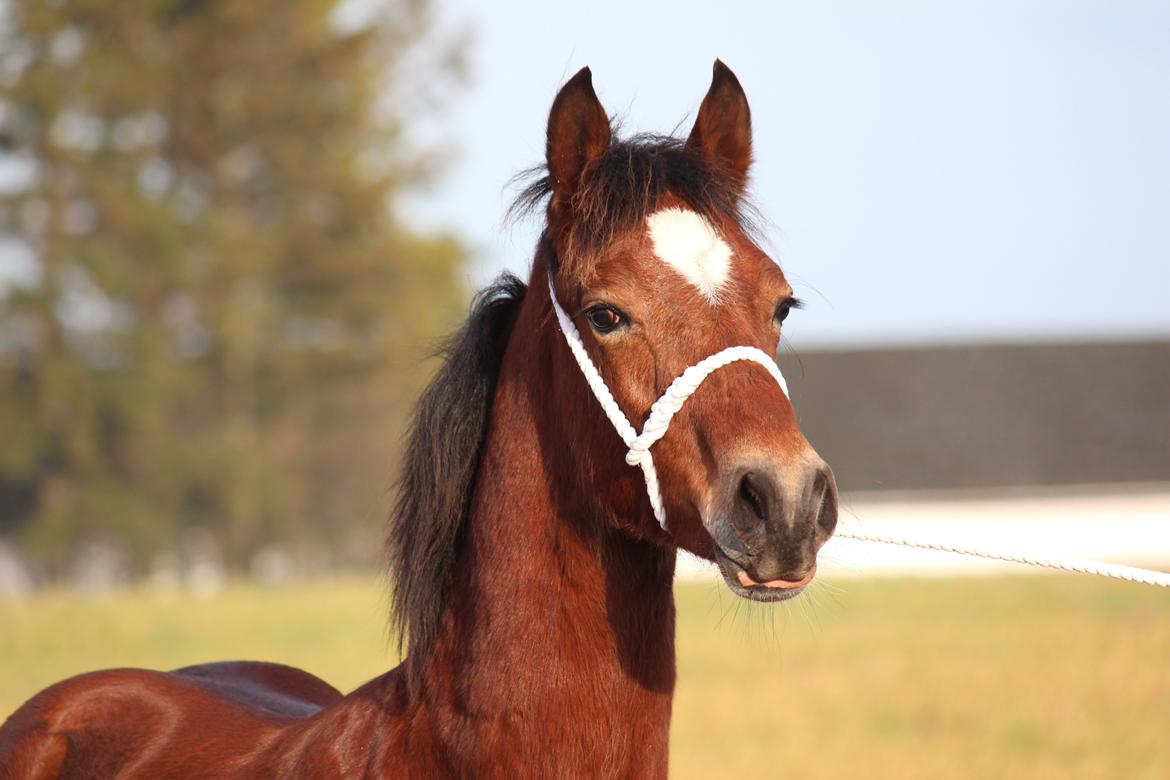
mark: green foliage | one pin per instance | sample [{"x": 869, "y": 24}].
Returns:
[{"x": 221, "y": 322}]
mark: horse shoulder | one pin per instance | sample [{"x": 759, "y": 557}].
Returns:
[{"x": 375, "y": 731}]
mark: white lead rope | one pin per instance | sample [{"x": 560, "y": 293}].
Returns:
[
  {"x": 1078, "y": 565},
  {"x": 686, "y": 383}
]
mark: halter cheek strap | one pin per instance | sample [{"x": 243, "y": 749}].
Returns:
[{"x": 662, "y": 410}]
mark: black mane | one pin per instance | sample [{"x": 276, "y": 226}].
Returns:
[
  {"x": 626, "y": 184},
  {"x": 438, "y": 472}
]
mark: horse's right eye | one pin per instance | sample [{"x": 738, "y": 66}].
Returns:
[
  {"x": 784, "y": 307},
  {"x": 604, "y": 319}
]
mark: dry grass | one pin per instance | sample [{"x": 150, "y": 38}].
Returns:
[
  {"x": 1046, "y": 677},
  {"x": 335, "y": 629}
]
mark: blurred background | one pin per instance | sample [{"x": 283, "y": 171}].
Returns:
[{"x": 232, "y": 233}]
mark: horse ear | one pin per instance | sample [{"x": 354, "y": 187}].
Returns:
[
  {"x": 723, "y": 130},
  {"x": 578, "y": 132}
]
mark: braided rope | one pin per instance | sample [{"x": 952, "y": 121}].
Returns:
[
  {"x": 592, "y": 377},
  {"x": 681, "y": 389},
  {"x": 1078, "y": 565},
  {"x": 664, "y": 409}
]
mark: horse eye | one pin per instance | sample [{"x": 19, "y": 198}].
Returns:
[
  {"x": 784, "y": 307},
  {"x": 604, "y": 319}
]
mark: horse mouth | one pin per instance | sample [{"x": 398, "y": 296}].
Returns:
[{"x": 741, "y": 584}]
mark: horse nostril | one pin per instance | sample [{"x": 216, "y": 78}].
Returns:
[
  {"x": 824, "y": 500},
  {"x": 752, "y": 496}
]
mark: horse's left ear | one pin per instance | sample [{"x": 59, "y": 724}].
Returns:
[{"x": 723, "y": 130}]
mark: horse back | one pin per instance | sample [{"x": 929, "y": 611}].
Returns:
[{"x": 272, "y": 688}]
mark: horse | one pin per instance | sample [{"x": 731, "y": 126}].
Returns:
[{"x": 533, "y": 565}]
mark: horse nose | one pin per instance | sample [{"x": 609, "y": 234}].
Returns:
[{"x": 781, "y": 517}]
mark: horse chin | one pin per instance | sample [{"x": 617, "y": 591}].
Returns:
[{"x": 734, "y": 576}]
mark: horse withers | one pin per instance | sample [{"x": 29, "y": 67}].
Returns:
[{"x": 533, "y": 564}]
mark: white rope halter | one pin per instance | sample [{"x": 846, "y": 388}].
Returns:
[
  {"x": 686, "y": 383},
  {"x": 662, "y": 410}
]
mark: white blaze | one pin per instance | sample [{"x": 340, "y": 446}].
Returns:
[{"x": 688, "y": 243}]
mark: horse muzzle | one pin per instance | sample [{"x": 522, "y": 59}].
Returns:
[{"x": 769, "y": 524}]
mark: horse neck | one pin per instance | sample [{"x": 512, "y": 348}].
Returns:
[{"x": 557, "y": 621}]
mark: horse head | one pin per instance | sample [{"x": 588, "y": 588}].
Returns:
[{"x": 655, "y": 268}]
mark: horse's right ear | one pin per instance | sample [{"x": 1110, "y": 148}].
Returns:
[{"x": 578, "y": 132}]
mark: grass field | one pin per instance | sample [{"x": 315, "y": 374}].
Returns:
[{"x": 1045, "y": 677}]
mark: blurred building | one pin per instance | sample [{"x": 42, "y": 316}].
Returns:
[{"x": 987, "y": 416}]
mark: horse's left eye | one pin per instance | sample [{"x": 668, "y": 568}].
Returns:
[
  {"x": 604, "y": 319},
  {"x": 784, "y": 307}
]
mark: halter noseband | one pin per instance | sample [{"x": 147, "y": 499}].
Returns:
[{"x": 662, "y": 410}]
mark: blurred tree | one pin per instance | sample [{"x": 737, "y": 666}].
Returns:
[{"x": 213, "y": 313}]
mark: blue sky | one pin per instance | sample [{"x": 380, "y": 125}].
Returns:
[{"x": 932, "y": 172}]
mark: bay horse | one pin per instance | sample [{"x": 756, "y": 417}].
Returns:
[{"x": 533, "y": 576}]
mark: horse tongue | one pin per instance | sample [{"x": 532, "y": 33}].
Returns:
[{"x": 747, "y": 581}]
